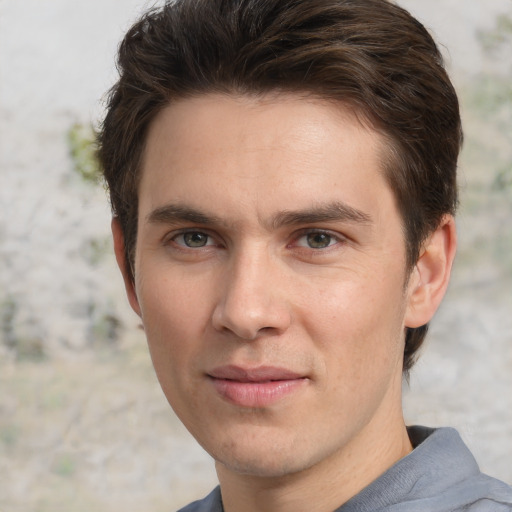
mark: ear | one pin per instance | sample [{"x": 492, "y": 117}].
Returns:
[
  {"x": 430, "y": 277},
  {"x": 117, "y": 234}
]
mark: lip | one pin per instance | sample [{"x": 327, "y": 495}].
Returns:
[{"x": 255, "y": 387}]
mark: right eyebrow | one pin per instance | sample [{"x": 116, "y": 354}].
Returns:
[
  {"x": 336, "y": 211},
  {"x": 175, "y": 213}
]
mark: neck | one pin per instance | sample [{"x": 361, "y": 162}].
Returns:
[{"x": 326, "y": 485}]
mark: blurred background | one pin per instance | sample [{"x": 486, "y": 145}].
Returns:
[{"x": 83, "y": 423}]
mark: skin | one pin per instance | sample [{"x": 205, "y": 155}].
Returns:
[{"x": 268, "y": 237}]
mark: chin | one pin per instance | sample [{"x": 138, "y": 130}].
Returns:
[
  {"x": 261, "y": 469},
  {"x": 270, "y": 463}
]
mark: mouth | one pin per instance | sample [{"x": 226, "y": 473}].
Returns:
[{"x": 255, "y": 387}]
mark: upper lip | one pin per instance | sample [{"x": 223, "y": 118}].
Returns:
[{"x": 259, "y": 374}]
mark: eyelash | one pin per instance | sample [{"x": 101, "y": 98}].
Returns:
[
  {"x": 183, "y": 234},
  {"x": 333, "y": 239}
]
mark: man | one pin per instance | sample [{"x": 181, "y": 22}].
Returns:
[{"x": 283, "y": 181}]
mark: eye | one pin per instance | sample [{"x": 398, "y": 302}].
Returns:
[
  {"x": 317, "y": 240},
  {"x": 193, "y": 239}
]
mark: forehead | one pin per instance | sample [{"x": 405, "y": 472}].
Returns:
[
  {"x": 279, "y": 115},
  {"x": 275, "y": 150}
]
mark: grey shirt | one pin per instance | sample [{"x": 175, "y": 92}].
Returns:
[{"x": 439, "y": 475}]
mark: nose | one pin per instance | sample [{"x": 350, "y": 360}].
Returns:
[{"x": 253, "y": 299}]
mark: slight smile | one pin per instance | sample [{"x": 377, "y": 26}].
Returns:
[{"x": 256, "y": 387}]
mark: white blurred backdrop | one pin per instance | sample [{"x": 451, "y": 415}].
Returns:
[{"x": 82, "y": 421}]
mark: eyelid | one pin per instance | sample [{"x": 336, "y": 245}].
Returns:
[
  {"x": 338, "y": 237},
  {"x": 170, "y": 237},
  {"x": 217, "y": 240}
]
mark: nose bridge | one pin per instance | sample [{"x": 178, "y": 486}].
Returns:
[{"x": 252, "y": 298}]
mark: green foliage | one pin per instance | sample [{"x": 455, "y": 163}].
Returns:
[
  {"x": 500, "y": 36},
  {"x": 64, "y": 465},
  {"x": 94, "y": 250},
  {"x": 30, "y": 349},
  {"x": 9, "y": 435},
  {"x": 106, "y": 329},
  {"x": 82, "y": 148},
  {"x": 105, "y": 326},
  {"x": 503, "y": 179},
  {"x": 493, "y": 93},
  {"x": 24, "y": 347},
  {"x": 8, "y": 311}
]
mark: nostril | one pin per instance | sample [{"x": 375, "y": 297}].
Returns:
[{"x": 249, "y": 307}]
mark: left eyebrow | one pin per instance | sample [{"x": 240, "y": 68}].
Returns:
[
  {"x": 331, "y": 212},
  {"x": 176, "y": 213}
]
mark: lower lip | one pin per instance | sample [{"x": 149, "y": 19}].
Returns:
[{"x": 256, "y": 394}]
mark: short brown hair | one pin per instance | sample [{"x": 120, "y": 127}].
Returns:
[{"x": 371, "y": 55}]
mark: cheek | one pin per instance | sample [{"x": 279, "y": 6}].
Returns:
[
  {"x": 172, "y": 328},
  {"x": 171, "y": 298},
  {"x": 357, "y": 322},
  {"x": 172, "y": 319}
]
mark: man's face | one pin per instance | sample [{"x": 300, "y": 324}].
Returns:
[{"x": 269, "y": 275}]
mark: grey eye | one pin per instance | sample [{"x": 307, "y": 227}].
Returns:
[
  {"x": 318, "y": 240},
  {"x": 195, "y": 239}
]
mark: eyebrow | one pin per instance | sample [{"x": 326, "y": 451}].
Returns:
[
  {"x": 174, "y": 213},
  {"x": 336, "y": 211}
]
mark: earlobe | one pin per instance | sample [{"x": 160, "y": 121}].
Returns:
[
  {"x": 431, "y": 275},
  {"x": 119, "y": 249}
]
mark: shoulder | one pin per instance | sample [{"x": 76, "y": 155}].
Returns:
[
  {"x": 212, "y": 503},
  {"x": 439, "y": 475},
  {"x": 489, "y": 495},
  {"x": 487, "y": 505},
  {"x": 451, "y": 478}
]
